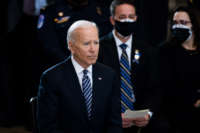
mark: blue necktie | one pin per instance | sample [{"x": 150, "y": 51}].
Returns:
[
  {"x": 127, "y": 95},
  {"x": 87, "y": 92}
]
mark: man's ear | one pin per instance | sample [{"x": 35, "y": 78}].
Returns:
[
  {"x": 136, "y": 17},
  {"x": 112, "y": 21},
  {"x": 70, "y": 47}
]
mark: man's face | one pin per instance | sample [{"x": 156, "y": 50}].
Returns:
[
  {"x": 124, "y": 11},
  {"x": 85, "y": 47}
]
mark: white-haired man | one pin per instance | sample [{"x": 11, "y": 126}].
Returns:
[{"x": 79, "y": 95}]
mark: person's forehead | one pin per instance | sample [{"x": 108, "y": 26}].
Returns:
[
  {"x": 125, "y": 8},
  {"x": 83, "y": 29},
  {"x": 181, "y": 15},
  {"x": 86, "y": 33}
]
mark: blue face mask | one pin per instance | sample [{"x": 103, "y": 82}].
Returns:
[
  {"x": 125, "y": 27},
  {"x": 181, "y": 32}
]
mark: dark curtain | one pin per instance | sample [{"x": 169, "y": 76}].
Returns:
[
  {"x": 11, "y": 13},
  {"x": 19, "y": 66},
  {"x": 152, "y": 16}
]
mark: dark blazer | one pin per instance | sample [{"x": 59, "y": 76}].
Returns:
[
  {"x": 144, "y": 73},
  {"x": 61, "y": 107}
]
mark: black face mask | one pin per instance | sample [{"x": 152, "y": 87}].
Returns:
[
  {"x": 125, "y": 28},
  {"x": 180, "y": 34}
]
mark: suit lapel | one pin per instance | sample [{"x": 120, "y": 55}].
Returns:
[
  {"x": 97, "y": 77},
  {"x": 115, "y": 55},
  {"x": 133, "y": 54},
  {"x": 135, "y": 46},
  {"x": 134, "y": 65},
  {"x": 76, "y": 89}
]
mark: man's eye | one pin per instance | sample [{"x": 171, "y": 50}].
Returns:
[
  {"x": 120, "y": 18},
  {"x": 132, "y": 16},
  {"x": 183, "y": 22},
  {"x": 86, "y": 43},
  {"x": 96, "y": 42}
]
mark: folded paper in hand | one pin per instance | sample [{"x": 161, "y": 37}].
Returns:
[{"x": 136, "y": 113}]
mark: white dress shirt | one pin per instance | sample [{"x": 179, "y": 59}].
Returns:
[{"x": 79, "y": 71}]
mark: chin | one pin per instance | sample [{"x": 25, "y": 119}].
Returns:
[{"x": 93, "y": 62}]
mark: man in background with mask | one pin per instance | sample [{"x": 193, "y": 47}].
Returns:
[
  {"x": 134, "y": 62},
  {"x": 55, "y": 20}
]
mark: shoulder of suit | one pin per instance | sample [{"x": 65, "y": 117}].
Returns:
[
  {"x": 56, "y": 68},
  {"x": 166, "y": 48},
  {"x": 105, "y": 68},
  {"x": 167, "y": 45},
  {"x": 107, "y": 36},
  {"x": 140, "y": 44},
  {"x": 104, "y": 40}
]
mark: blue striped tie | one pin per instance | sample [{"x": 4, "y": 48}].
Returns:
[
  {"x": 127, "y": 95},
  {"x": 87, "y": 92}
]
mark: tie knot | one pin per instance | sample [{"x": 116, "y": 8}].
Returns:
[
  {"x": 123, "y": 46},
  {"x": 85, "y": 71}
]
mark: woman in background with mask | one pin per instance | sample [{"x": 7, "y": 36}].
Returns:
[{"x": 180, "y": 71}]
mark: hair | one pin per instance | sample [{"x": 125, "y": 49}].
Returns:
[
  {"x": 116, "y": 3},
  {"x": 195, "y": 21},
  {"x": 76, "y": 25}
]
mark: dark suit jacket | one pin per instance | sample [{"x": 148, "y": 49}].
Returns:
[
  {"x": 144, "y": 73},
  {"x": 61, "y": 107}
]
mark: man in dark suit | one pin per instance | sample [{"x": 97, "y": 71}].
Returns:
[
  {"x": 79, "y": 95},
  {"x": 142, "y": 76}
]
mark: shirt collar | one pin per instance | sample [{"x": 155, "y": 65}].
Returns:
[
  {"x": 78, "y": 68},
  {"x": 119, "y": 42}
]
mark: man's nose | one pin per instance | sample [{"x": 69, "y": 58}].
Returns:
[{"x": 92, "y": 47}]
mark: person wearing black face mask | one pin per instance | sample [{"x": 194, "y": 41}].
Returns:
[
  {"x": 141, "y": 63},
  {"x": 181, "y": 33},
  {"x": 179, "y": 69},
  {"x": 125, "y": 27}
]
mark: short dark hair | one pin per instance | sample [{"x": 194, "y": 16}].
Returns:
[
  {"x": 116, "y": 3},
  {"x": 195, "y": 21}
]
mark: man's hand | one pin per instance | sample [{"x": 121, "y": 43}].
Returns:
[
  {"x": 140, "y": 122},
  {"x": 126, "y": 122}
]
